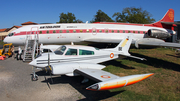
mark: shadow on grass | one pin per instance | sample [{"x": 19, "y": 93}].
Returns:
[
  {"x": 117, "y": 64},
  {"x": 177, "y": 55},
  {"x": 75, "y": 82},
  {"x": 157, "y": 63}
]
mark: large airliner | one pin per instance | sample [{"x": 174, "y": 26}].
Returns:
[{"x": 104, "y": 32}]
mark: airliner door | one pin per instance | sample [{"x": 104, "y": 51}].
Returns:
[{"x": 34, "y": 33}]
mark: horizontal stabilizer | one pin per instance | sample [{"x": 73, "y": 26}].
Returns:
[{"x": 134, "y": 57}]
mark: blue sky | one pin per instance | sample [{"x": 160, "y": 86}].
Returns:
[{"x": 15, "y": 12}]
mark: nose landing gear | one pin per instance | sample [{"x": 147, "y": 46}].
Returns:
[{"x": 34, "y": 75}]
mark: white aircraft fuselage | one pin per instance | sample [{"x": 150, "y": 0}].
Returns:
[
  {"x": 80, "y": 32},
  {"x": 103, "y": 32}
]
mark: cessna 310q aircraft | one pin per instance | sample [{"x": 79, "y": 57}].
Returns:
[
  {"x": 72, "y": 60},
  {"x": 104, "y": 32}
]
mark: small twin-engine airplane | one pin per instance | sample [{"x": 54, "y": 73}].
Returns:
[
  {"x": 104, "y": 32},
  {"x": 73, "y": 60}
]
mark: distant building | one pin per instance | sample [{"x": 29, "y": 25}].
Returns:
[
  {"x": 4, "y": 32},
  {"x": 28, "y": 23}
]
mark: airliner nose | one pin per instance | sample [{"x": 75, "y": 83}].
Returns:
[{"x": 5, "y": 40}]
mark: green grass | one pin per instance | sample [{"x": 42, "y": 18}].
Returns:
[
  {"x": 164, "y": 85},
  {"x": 1, "y": 43}
]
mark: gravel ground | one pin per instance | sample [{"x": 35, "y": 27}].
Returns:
[{"x": 16, "y": 85}]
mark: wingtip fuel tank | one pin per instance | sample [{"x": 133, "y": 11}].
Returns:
[{"x": 119, "y": 82}]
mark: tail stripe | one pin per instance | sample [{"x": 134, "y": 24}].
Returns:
[{"x": 124, "y": 43}]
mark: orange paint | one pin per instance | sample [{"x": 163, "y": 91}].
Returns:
[
  {"x": 113, "y": 85},
  {"x": 137, "y": 79},
  {"x": 105, "y": 76},
  {"x": 171, "y": 15},
  {"x": 111, "y": 55},
  {"x": 119, "y": 84}
]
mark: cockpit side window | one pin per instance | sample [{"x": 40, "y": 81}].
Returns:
[
  {"x": 85, "y": 52},
  {"x": 46, "y": 50},
  {"x": 71, "y": 52},
  {"x": 60, "y": 50},
  {"x": 10, "y": 34}
]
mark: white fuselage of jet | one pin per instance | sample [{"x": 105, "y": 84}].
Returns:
[{"x": 80, "y": 32}]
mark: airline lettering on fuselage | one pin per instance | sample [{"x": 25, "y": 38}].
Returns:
[
  {"x": 46, "y": 27},
  {"x": 71, "y": 26}
]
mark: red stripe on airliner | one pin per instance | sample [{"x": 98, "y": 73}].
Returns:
[{"x": 80, "y": 31}]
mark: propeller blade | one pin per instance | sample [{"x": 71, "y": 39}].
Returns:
[{"x": 49, "y": 66}]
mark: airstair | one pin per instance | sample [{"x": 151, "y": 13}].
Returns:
[{"x": 31, "y": 45}]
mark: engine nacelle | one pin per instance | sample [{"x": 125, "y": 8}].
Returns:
[
  {"x": 155, "y": 33},
  {"x": 68, "y": 68}
]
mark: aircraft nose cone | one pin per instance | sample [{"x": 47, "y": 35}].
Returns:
[
  {"x": 5, "y": 40},
  {"x": 33, "y": 63}
]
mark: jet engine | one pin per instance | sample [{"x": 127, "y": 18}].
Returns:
[{"x": 155, "y": 33}]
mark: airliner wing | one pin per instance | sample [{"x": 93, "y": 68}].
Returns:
[
  {"x": 155, "y": 42},
  {"x": 103, "y": 40},
  {"x": 96, "y": 74}
]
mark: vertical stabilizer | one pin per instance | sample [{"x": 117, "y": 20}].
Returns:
[
  {"x": 125, "y": 44},
  {"x": 169, "y": 16},
  {"x": 167, "y": 21}
]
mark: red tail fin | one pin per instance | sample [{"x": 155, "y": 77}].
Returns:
[
  {"x": 169, "y": 16},
  {"x": 167, "y": 21}
]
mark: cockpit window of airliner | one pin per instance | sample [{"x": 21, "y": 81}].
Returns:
[
  {"x": 10, "y": 34},
  {"x": 60, "y": 50}
]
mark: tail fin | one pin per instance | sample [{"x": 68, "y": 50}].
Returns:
[
  {"x": 167, "y": 21},
  {"x": 169, "y": 16},
  {"x": 125, "y": 44}
]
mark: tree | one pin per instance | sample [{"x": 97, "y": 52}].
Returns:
[
  {"x": 79, "y": 21},
  {"x": 133, "y": 15},
  {"x": 101, "y": 17},
  {"x": 67, "y": 18}
]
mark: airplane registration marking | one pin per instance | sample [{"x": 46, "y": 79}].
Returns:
[
  {"x": 105, "y": 76},
  {"x": 111, "y": 55},
  {"x": 124, "y": 43}
]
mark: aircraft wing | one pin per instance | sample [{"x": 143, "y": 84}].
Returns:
[
  {"x": 155, "y": 42},
  {"x": 144, "y": 41},
  {"x": 96, "y": 74},
  {"x": 103, "y": 40},
  {"x": 108, "y": 81}
]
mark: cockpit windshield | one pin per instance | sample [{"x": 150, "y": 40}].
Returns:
[
  {"x": 10, "y": 34},
  {"x": 60, "y": 50}
]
